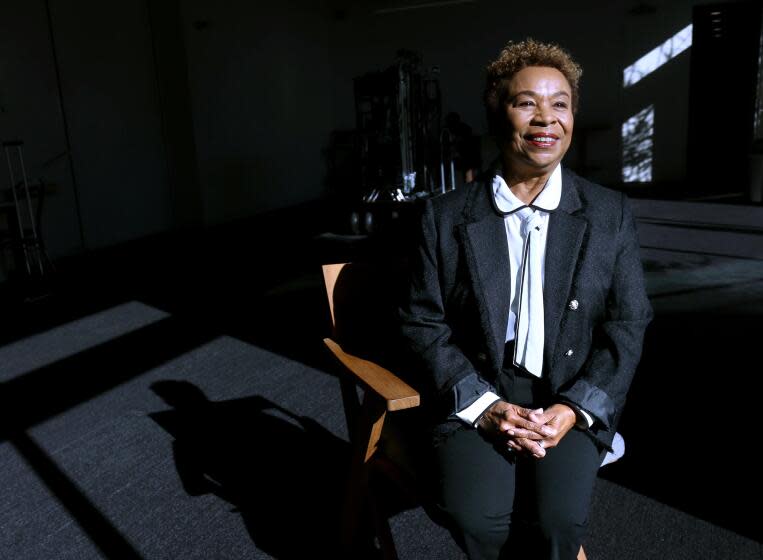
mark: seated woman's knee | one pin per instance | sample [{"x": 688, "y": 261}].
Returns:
[
  {"x": 482, "y": 528},
  {"x": 561, "y": 525}
]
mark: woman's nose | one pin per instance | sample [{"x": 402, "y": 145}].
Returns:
[{"x": 543, "y": 115}]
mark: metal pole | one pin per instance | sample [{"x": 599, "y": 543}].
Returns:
[
  {"x": 442, "y": 161},
  {"x": 26, "y": 192},
  {"x": 32, "y": 224},
  {"x": 18, "y": 212},
  {"x": 64, "y": 121}
]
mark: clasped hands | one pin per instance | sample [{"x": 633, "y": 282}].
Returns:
[{"x": 526, "y": 430}]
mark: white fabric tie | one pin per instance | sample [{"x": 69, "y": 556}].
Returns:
[{"x": 528, "y": 345}]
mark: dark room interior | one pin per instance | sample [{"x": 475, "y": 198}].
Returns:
[{"x": 175, "y": 174}]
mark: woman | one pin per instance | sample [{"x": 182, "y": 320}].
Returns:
[{"x": 527, "y": 310}]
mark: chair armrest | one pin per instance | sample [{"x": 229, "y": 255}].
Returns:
[{"x": 396, "y": 392}]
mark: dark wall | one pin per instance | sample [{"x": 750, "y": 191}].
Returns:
[
  {"x": 111, "y": 101},
  {"x": 260, "y": 76},
  {"x": 79, "y": 88},
  {"x": 30, "y": 110}
]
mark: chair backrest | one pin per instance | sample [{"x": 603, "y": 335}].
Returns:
[
  {"x": 362, "y": 301},
  {"x": 331, "y": 274}
]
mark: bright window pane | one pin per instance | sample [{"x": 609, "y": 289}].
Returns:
[{"x": 638, "y": 134}]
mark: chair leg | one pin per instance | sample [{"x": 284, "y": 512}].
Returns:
[
  {"x": 383, "y": 532},
  {"x": 368, "y": 431},
  {"x": 581, "y": 554}
]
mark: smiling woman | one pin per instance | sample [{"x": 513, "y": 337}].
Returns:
[
  {"x": 517, "y": 56},
  {"x": 531, "y": 97},
  {"x": 538, "y": 124},
  {"x": 527, "y": 310}
]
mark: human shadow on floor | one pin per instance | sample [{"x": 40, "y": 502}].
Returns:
[{"x": 282, "y": 472}]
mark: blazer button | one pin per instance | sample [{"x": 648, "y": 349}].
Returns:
[
  {"x": 481, "y": 357},
  {"x": 573, "y": 304},
  {"x": 569, "y": 352}
]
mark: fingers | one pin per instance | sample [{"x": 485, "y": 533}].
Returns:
[
  {"x": 523, "y": 425},
  {"x": 530, "y": 420},
  {"x": 529, "y": 430},
  {"x": 527, "y": 412},
  {"x": 533, "y": 447},
  {"x": 540, "y": 429},
  {"x": 522, "y": 433},
  {"x": 538, "y": 416},
  {"x": 536, "y": 448}
]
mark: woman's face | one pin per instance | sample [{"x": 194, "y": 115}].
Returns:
[{"x": 539, "y": 120}]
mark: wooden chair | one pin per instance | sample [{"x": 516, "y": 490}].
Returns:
[
  {"x": 351, "y": 291},
  {"x": 356, "y": 297}
]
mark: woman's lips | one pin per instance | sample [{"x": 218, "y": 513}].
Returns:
[{"x": 542, "y": 140}]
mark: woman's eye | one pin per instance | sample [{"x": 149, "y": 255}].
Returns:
[
  {"x": 560, "y": 105},
  {"x": 525, "y": 104}
]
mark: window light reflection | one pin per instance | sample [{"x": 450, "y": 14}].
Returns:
[
  {"x": 658, "y": 56},
  {"x": 638, "y": 141}
]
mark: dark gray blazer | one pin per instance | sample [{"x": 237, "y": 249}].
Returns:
[{"x": 455, "y": 313}]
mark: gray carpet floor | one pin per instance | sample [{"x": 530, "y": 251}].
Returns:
[{"x": 122, "y": 462}]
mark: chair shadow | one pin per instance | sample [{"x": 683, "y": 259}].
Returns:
[{"x": 283, "y": 473}]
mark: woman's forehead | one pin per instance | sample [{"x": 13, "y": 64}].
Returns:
[{"x": 539, "y": 79}]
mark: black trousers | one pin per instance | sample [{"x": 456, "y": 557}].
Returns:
[{"x": 502, "y": 505}]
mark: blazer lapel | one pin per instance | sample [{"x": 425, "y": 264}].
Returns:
[
  {"x": 487, "y": 256},
  {"x": 565, "y": 237}
]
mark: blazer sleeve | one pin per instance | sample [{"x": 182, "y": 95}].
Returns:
[
  {"x": 601, "y": 387},
  {"x": 425, "y": 329}
]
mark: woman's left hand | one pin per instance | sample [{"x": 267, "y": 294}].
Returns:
[{"x": 558, "y": 416}]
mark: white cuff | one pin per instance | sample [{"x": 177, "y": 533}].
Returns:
[
  {"x": 472, "y": 412},
  {"x": 586, "y": 416}
]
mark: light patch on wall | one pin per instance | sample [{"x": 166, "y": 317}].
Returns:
[
  {"x": 658, "y": 56},
  {"x": 638, "y": 141}
]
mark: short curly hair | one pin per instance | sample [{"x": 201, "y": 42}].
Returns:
[{"x": 516, "y": 56}]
